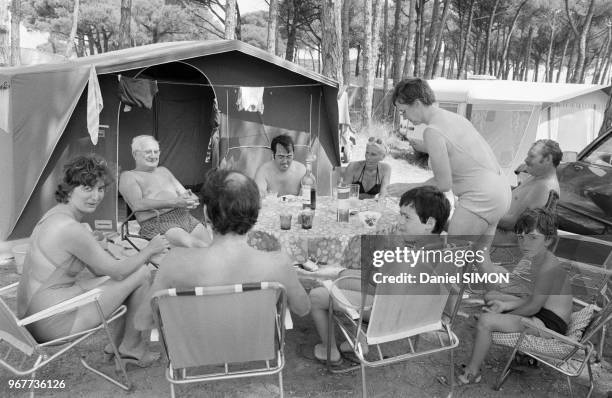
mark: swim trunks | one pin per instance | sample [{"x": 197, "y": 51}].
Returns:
[
  {"x": 552, "y": 321},
  {"x": 176, "y": 218}
]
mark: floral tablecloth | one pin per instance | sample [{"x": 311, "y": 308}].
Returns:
[{"x": 328, "y": 241}]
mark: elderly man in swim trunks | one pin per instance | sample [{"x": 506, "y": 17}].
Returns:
[
  {"x": 160, "y": 202},
  {"x": 281, "y": 174}
]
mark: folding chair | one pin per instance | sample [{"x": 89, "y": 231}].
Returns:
[
  {"x": 29, "y": 355},
  {"x": 567, "y": 354},
  {"x": 396, "y": 316},
  {"x": 207, "y": 327}
]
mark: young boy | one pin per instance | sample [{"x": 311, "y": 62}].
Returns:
[
  {"x": 548, "y": 305},
  {"x": 424, "y": 211}
]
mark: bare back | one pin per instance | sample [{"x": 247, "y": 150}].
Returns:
[
  {"x": 551, "y": 278},
  {"x": 468, "y": 151},
  {"x": 221, "y": 265}
]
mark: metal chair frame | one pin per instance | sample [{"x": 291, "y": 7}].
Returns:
[
  {"x": 180, "y": 376},
  {"x": 584, "y": 345},
  {"x": 39, "y": 349},
  {"x": 357, "y": 334}
]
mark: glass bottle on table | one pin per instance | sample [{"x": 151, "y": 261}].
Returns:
[
  {"x": 342, "y": 199},
  {"x": 309, "y": 187}
]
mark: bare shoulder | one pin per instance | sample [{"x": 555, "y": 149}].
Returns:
[
  {"x": 127, "y": 176},
  {"x": 178, "y": 264},
  {"x": 386, "y": 167},
  {"x": 163, "y": 170}
]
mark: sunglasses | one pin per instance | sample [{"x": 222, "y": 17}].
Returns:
[{"x": 376, "y": 140}]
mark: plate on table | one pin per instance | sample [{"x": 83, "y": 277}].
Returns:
[{"x": 369, "y": 218}]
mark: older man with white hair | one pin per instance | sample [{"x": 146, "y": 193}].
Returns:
[{"x": 160, "y": 202}]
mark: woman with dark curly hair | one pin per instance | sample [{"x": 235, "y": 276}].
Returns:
[{"x": 61, "y": 248}]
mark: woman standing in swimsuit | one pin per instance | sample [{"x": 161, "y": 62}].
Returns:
[
  {"x": 370, "y": 174},
  {"x": 461, "y": 160},
  {"x": 61, "y": 248}
]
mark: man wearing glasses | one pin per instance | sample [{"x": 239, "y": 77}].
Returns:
[
  {"x": 281, "y": 174},
  {"x": 160, "y": 202}
]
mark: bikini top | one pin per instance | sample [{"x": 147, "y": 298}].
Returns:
[{"x": 375, "y": 190}]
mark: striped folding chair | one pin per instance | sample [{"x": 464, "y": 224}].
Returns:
[
  {"x": 24, "y": 356},
  {"x": 222, "y": 332}
]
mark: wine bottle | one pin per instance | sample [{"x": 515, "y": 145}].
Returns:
[{"x": 309, "y": 187}]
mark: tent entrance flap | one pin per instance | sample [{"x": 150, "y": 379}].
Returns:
[{"x": 182, "y": 119}]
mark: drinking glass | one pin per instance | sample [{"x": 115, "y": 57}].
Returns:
[
  {"x": 354, "y": 197},
  {"x": 285, "y": 221},
  {"x": 307, "y": 216}
]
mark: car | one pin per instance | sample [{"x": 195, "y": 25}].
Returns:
[{"x": 585, "y": 204}]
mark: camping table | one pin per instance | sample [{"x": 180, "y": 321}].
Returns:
[{"x": 328, "y": 242}]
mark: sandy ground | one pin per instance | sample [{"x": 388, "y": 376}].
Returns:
[{"x": 306, "y": 378}]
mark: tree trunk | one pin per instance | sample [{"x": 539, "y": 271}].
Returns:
[
  {"x": 5, "y": 46},
  {"x": 562, "y": 60},
  {"x": 431, "y": 34},
  {"x": 418, "y": 46},
  {"x": 601, "y": 55},
  {"x": 578, "y": 76},
  {"x": 357, "y": 68},
  {"x": 570, "y": 61},
  {"x": 331, "y": 39},
  {"x": 463, "y": 54},
  {"x": 527, "y": 59},
  {"x": 15, "y": 36},
  {"x": 272, "y": 19},
  {"x": 397, "y": 45},
  {"x": 385, "y": 57},
  {"x": 291, "y": 30},
  {"x": 372, "y": 10},
  {"x": 488, "y": 37},
  {"x": 346, "y": 24},
  {"x": 238, "y": 27},
  {"x": 408, "y": 64},
  {"x": 608, "y": 59},
  {"x": 230, "y": 19},
  {"x": 509, "y": 37},
  {"x": 547, "y": 66},
  {"x": 75, "y": 22},
  {"x": 125, "y": 35},
  {"x": 439, "y": 35}
]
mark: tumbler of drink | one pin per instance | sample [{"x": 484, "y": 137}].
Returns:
[
  {"x": 285, "y": 221},
  {"x": 307, "y": 216},
  {"x": 354, "y": 197},
  {"x": 343, "y": 214}
]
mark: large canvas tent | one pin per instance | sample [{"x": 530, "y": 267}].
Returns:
[{"x": 43, "y": 119}]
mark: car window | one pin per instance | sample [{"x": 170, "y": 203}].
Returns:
[{"x": 602, "y": 153}]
